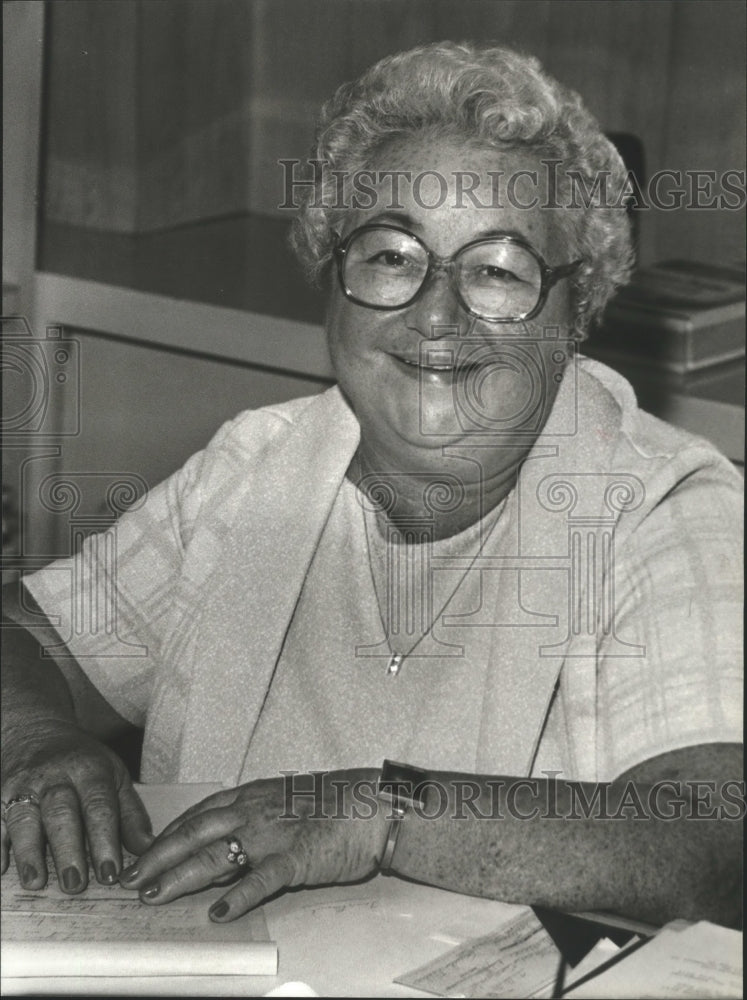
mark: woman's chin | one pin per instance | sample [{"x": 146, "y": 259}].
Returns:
[{"x": 430, "y": 424}]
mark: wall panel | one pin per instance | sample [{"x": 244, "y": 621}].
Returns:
[
  {"x": 167, "y": 113},
  {"x": 91, "y": 170},
  {"x": 704, "y": 125},
  {"x": 522, "y": 24},
  {"x": 194, "y": 133}
]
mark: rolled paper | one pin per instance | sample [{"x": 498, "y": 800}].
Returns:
[
  {"x": 23, "y": 959},
  {"x": 292, "y": 989}
]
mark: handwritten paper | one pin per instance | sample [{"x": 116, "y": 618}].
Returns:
[
  {"x": 103, "y": 913},
  {"x": 518, "y": 960},
  {"x": 699, "y": 960},
  {"x": 107, "y": 931}
]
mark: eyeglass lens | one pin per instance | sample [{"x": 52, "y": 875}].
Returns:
[{"x": 498, "y": 280}]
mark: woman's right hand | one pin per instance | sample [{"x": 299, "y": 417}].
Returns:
[{"x": 81, "y": 794}]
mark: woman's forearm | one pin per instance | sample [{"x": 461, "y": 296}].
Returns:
[
  {"x": 577, "y": 846},
  {"x": 34, "y": 689},
  {"x": 36, "y": 686}
]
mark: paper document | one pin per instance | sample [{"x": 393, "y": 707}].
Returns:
[
  {"x": 21, "y": 959},
  {"x": 600, "y": 954},
  {"x": 106, "y": 930},
  {"x": 353, "y": 940},
  {"x": 518, "y": 960},
  {"x": 700, "y": 960}
]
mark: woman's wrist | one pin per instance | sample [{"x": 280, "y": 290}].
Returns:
[{"x": 400, "y": 791}]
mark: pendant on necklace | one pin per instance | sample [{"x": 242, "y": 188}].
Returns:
[{"x": 395, "y": 662}]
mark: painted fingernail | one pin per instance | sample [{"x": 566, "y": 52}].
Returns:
[
  {"x": 219, "y": 909},
  {"x": 151, "y": 892},
  {"x": 71, "y": 879},
  {"x": 108, "y": 872},
  {"x": 129, "y": 875},
  {"x": 29, "y": 874}
]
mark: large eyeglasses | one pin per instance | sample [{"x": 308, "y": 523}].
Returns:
[{"x": 501, "y": 279}]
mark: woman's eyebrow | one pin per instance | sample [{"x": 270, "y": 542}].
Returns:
[
  {"x": 400, "y": 218},
  {"x": 485, "y": 234},
  {"x": 405, "y": 220}
]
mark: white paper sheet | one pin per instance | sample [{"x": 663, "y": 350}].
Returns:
[
  {"x": 701, "y": 960},
  {"x": 148, "y": 958},
  {"x": 517, "y": 960},
  {"x": 107, "y": 931},
  {"x": 352, "y": 941}
]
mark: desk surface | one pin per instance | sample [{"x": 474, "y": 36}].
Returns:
[{"x": 341, "y": 941}]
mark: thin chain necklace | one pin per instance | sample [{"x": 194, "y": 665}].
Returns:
[{"x": 416, "y": 550}]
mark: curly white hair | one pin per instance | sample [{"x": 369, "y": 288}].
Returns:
[{"x": 494, "y": 98}]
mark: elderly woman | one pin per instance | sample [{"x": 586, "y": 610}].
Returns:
[{"x": 474, "y": 555}]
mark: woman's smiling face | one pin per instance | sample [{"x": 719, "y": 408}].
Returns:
[{"x": 400, "y": 369}]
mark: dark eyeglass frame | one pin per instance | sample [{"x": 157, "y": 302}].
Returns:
[{"x": 549, "y": 276}]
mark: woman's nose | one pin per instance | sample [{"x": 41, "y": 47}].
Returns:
[{"x": 436, "y": 307}]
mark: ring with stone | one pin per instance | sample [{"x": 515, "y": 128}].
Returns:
[
  {"x": 28, "y": 799},
  {"x": 236, "y": 853}
]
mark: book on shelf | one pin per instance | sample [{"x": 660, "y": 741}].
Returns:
[{"x": 678, "y": 315}]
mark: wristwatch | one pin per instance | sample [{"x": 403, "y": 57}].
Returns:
[{"x": 402, "y": 787}]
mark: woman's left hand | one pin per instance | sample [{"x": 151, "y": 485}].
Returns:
[{"x": 304, "y": 829}]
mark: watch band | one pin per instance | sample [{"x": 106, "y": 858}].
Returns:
[{"x": 401, "y": 786}]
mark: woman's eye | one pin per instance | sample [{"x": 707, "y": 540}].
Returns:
[
  {"x": 390, "y": 258},
  {"x": 492, "y": 272}
]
